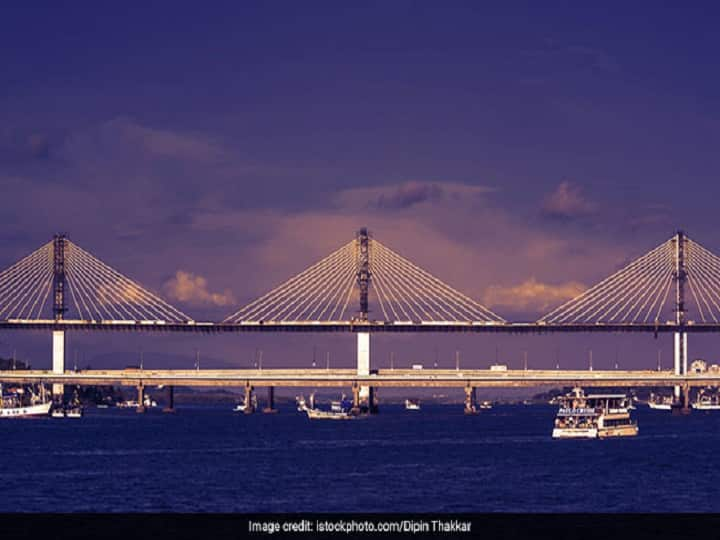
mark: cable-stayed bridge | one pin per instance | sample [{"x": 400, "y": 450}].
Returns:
[{"x": 363, "y": 287}]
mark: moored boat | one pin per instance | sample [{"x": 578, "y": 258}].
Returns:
[
  {"x": 412, "y": 404},
  {"x": 17, "y": 405},
  {"x": 240, "y": 407},
  {"x": 660, "y": 403},
  {"x": 707, "y": 401}
]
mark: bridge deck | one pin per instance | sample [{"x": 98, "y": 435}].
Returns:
[
  {"x": 431, "y": 378},
  {"x": 355, "y": 326}
]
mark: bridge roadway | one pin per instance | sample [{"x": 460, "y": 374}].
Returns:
[
  {"x": 405, "y": 378},
  {"x": 354, "y": 326}
]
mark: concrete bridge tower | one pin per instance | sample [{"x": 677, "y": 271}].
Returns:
[
  {"x": 681, "y": 396},
  {"x": 58, "y": 360},
  {"x": 363, "y": 282}
]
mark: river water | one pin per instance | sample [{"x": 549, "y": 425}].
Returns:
[{"x": 209, "y": 459}]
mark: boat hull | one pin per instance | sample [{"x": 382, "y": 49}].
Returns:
[
  {"x": 618, "y": 431},
  {"x": 316, "y": 414},
  {"x": 41, "y": 409},
  {"x": 660, "y": 406},
  {"x": 704, "y": 407},
  {"x": 575, "y": 433}
]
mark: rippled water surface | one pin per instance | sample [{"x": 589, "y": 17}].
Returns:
[{"x": 210, "y": 459}]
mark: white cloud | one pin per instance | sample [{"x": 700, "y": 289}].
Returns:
[
  {"x": 531, "y": 295},
  {"x": 192, "y": 289}
]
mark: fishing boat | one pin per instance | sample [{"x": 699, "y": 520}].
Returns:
[
  {"x": 345, "y": 411},
  {"x": 240, "y": 407},
  {"x": 661, "y": 403},
  {"x": 74, "y": 412},
  {"x": 319, "y": 414},
  {"x": 16, "y": 405},
  {"x": 593, "y": 416},
  {"x": 707, "y": 401},
  {"x": 338, "y": 406},
  {"x": 412, "y": 404}
]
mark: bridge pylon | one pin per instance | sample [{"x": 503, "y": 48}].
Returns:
[
  {"x": 363, "y": 283},
  {"x": 59, "y": 309},
  {"x": 680, "y": 348}
]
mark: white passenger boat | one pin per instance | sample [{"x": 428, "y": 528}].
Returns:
[
  {"x": 13, "y": 406},
  {"x": 412, "y": 404},
  {"x": 593, "y": 416},
  {"x": 660, "y": 403},
  {"x": 486, "y": 405}
]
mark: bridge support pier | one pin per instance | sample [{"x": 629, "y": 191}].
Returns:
[
  {"x": 141, "y": 398},
  {"x": 249, "y": 406},
  {"x": 58, "y": 362},
  {"x": 470, "y": 407},
  {"x": 270, "y": 400},
  {"x": 170, "y": 408},
  {"x": 363, "y": 361},
  {"x": 356, "y": 398},
  {"x": 680, "y": 364},
  {"x": 682, "y": 406},
  {"x": 372, "y": 401}
]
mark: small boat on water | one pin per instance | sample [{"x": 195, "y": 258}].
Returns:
[
  {"x": 707, "y": 401},
  {"x": 339, "y": 410},
  {"x": 412, "y": 404},
  {"x": 660, "y": 403},
  {"x": 240, "y": 407},
  {"x": 148, "y": 403},
  {"x": 593, "y": 416},
  {"x": 67, "y": 412},
  {"x": 17, "y": 405},
  {"x": 319, "y": 414},
  {"x": 74, "y": 412},
  {"x": 486, "y": 404}
]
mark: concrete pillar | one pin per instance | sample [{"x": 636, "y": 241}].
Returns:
[
  {"x": 249, "y": 407},
  {"x": 356, "y": 398},
  {"x": 680, "y": 357},
  {"x": 470, "y": 407},
  {"x": 686, "y": 399},
  {"x": 270, "y": 400},
  {"x": 58, "y": 362},
  {"x": 363, "y": 360},
  {"x": 170, "y": 407},
  {"x": 372, "y": 401},
  {"x": 140, "y": 398}
]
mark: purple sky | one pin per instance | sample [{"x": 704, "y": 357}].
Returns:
[{"x": 520, "y": 153}]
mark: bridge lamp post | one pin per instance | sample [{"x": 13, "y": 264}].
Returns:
[
  {"x": 525, "y": 356},
  {"x": 197, "y": 359}
]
